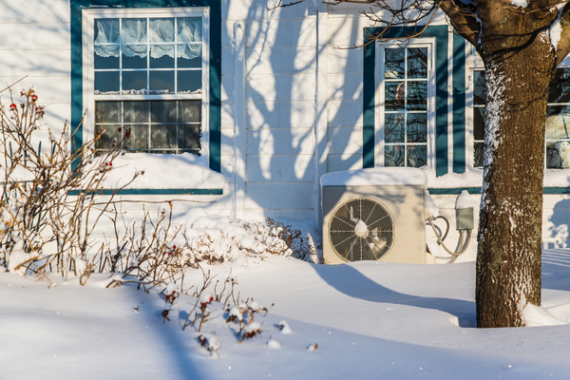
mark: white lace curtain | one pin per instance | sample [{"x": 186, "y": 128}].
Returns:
[{"x": 134, "y": 37}]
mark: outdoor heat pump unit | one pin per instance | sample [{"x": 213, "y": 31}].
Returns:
[{"x": 374, "y": 214}]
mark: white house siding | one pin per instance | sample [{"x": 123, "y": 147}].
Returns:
[
  {"x": 36, "y": 43},
  {"x": 285, "y": 150},
  {"x": 344, "y": 90},
  {"x": 280, "y": 84}
]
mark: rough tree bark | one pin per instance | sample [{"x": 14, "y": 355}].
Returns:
[{"x": 515, "y": 45}]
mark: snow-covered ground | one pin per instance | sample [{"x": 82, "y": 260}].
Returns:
[{"x": 370, "y": 320}]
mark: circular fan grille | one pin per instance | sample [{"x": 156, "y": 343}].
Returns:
[{"x": 361, "y": 229}]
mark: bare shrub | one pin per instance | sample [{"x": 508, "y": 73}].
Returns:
[{"x": 49, "y": 192}]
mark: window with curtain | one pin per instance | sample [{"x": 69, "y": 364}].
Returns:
[
  {"x": 148, "y": 83},
  {"x": 557, "y": 138}
]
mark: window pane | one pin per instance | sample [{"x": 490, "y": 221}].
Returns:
[
  {"x": 189, "y": 136},
  {"x": 189, "y": 81},
  {"x": 417, "y": 127},
  {"x": 417, "y": 63},
  {"x": 189, "y": 55},
  {"x": 135, "y": 137},
  {"x": 558, "y": 122},
  {"x": 558, "y": 155},
  {"x": 417, "y": 95},
  {"x": 134, "y": 80},
  {"x": 189, "y": 29},
  {"x": 163, "y": 136},
  {"x": 394, "y": 131},
  {"x": 479, "y": 89},
  {"x": 107, "y": 31},
  {"x": 560, "y": 87},
  {"x": 134, "y": 56},
  {"x": 162, "y": 82},
  {"x": 395, "y": 95},
  {"x": 394, "y": 155},
  {"x": 162, "y": 56},
  {"x": 189, "y": 111},
  {"x": 163, "y": 111},
  {"x": 107, "y": 81},
  {"x": 105, "y": 141},
  {"x": 394, "y": 63},
  {"x": 479, "y": 123},
  {"x": 478, "y": 156},
  {"x": 107, "y": 57},
  {"x": 135, "y": 112},
  {"x": 133, "y": 31},
  {"x": 107, "y": 112},
  {"x": 161, "y": 30},
  {"x": 417, "y": 155}
]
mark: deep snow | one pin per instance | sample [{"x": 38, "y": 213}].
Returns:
[{"x": 371, "y": 320}]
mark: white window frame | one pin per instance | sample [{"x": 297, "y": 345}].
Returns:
[
  {"x": 379, "y": 98},
  {"x": 88, "y": 41}
]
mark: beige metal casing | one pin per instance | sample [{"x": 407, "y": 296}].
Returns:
[{"x": 405, "y": 203}]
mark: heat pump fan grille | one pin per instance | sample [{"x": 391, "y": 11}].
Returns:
[{"x": 361, "y": 229}]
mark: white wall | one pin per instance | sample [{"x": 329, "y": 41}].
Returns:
[
  {"x": 284, "y": 151},
  {"x": 280, "y": 75}
]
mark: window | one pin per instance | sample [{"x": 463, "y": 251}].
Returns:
[
  {"x": 149, "y": 79},
  {"x": 479, "y": 94},
  {"x": 557, "y": 120},
  {"x": 404, "y": 92}
]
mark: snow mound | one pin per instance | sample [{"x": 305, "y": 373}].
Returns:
[
  {"x": 284, "y": 327},
  {"x": 465, "y": 200},
  {"x": 273, "y": 344},
  {"x": 163, "y": 171},
  {"x": 221, "y": 238},
  {"x": 538, "y": 316}
]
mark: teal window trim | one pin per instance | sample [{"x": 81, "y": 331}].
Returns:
[
  {"x": 77, "y": 108},
  {"x": 458, "y": 104},
  {"x": 441, "y": 93}
]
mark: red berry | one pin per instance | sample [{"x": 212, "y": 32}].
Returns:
[
  {"x": 110, "y": 164},
  {"x": 120, "y": 129},
  {"x": 173, "y": 247},
  {"x": 13, "y": 106},
  {"x": 34, "y": 98}
]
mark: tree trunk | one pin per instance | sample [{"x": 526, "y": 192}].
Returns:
[{"x": 518, "y": 68}]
